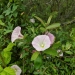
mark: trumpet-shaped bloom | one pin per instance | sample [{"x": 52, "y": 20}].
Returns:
[
  {"x": 41, "y": 42},
  {"x": 16, "y": 34},
  {"x": 51, "y": 36},
  {"x": 17, "y": 69}
]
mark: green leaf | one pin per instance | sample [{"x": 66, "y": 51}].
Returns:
[
  {"x": 67, "y": 59},
  {"x": 14, "y": 8},
  {"x": 68, "y": 52},
  {"x": 42, "y": 29},
  {"x": 7, "y": 12},
  {"x": 1, "y": 23},
  {"x": 23, "y": 54},
  {"x": 1, "y": 69},
  {"x": 38, "y": 62},
  {"x": 9, "y": 47},
  {"x": 51, "y": 52},
  {"x": 9, "y": 71},
  {"x": 6, "y": 56},
  {"x": 7, "y": 31},
  {"x": 3, "y": 73},
  {"x": 54, "y": 25},
  {"x": 49, "y": 20},
  {"x": 56, "y": 45},
  {"x": 68, "y": 45},
  {"x": 35, "y": 55},
  {"x": 1, "y": 16},
  {"x": 42, "y": 22},
  {"x": 10, "y": 0}
]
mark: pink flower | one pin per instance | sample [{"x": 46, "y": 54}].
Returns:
[
  {"x": 17, "y": 69},
  {"x": 51, "y": 37},
  {"x": 16, "y": 34},
  {"x": 41, "y": 42}
]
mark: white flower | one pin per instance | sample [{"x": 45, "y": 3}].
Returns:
[
  {"x": 17, "y": 69},
  {"x": 32, "y": 20},
  {"x": 60, "y": 53},
  {"x": 51, "y": 36},
  {"x": 41, "y": 42},
  {"x": 16, "y": 34}
]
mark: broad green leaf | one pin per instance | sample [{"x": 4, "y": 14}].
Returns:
[
  {"x": 3, "y": 73},
  {"x": 1, "y": 69},
  {"x": 1, "y": 16},
  {"x": 7, "y": 12},
  {"x": 6, "y": 57},
  {"x": 68, "y": 45},
  {"x": 20, "y": 44},
  {"x": 67, "y": 59},
  {"x": 49, "y": 20},
  {"x": 51, "y": 52},
  {"x": 10, "y": 0},
  {"x": 35, "y": 55},
  {"x": 15, "y": 14},
  {"x": 9, "y": 47},
  {"x": 54, "y": 25},
  {"x": 38, "y": 62},
  {"x": 9, "y": 71},
  {"x": 40, "y": 20},
  {"x": 68, "y": 52},
  {"x": 56, "y": 45},
  {"x": 7, "y": 31},
  {"x": 6, "y": 54},
  {"x": 1, "y": 23},
  {"x": 14, "y": 7},
  {"x": 42, "y": 29}
]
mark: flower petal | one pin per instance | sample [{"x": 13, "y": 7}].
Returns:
[
  {"x": 39, "y": 40},
  {"x": 16, "y": 34},
  {"x": 51, "y": 36},
  {"x": 17, "y": 69}
]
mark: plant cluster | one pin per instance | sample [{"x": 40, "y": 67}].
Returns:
[{"x": 31, "y": 40}]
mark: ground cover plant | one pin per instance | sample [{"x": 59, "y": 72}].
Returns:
[{"x": 37, "y": 37}]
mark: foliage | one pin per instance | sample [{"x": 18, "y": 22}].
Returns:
[{"x": 54, "y": 16}]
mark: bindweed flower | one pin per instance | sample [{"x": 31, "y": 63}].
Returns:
[
  {"x": 32, "y": 20},
  {"x": 60, "y": 53},
  {"x": 41, "y": 42},
  {"x": 16, "y": 34},
  {"x": 51, "y": 36},
  {"x": 17, "y": 69}
]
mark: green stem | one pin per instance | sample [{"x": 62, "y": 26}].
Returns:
[
  {"x": 3, "y": 63},
  {"x": 23, "y": 66}
]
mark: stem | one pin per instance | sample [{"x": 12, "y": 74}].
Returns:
[
  {"x": 3, "y": 63},
  {"x": 69, "y": 22},
  {"x": 23, "y": 66}
]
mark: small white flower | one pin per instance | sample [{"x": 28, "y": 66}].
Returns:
[
  {"x": 16, "y": 34},
  {"x": 60, "y": 53},
  {"x": 41, "y": 42},
  {"x": 32, "y": 20},
  {"x": 17, "y": 69}
]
